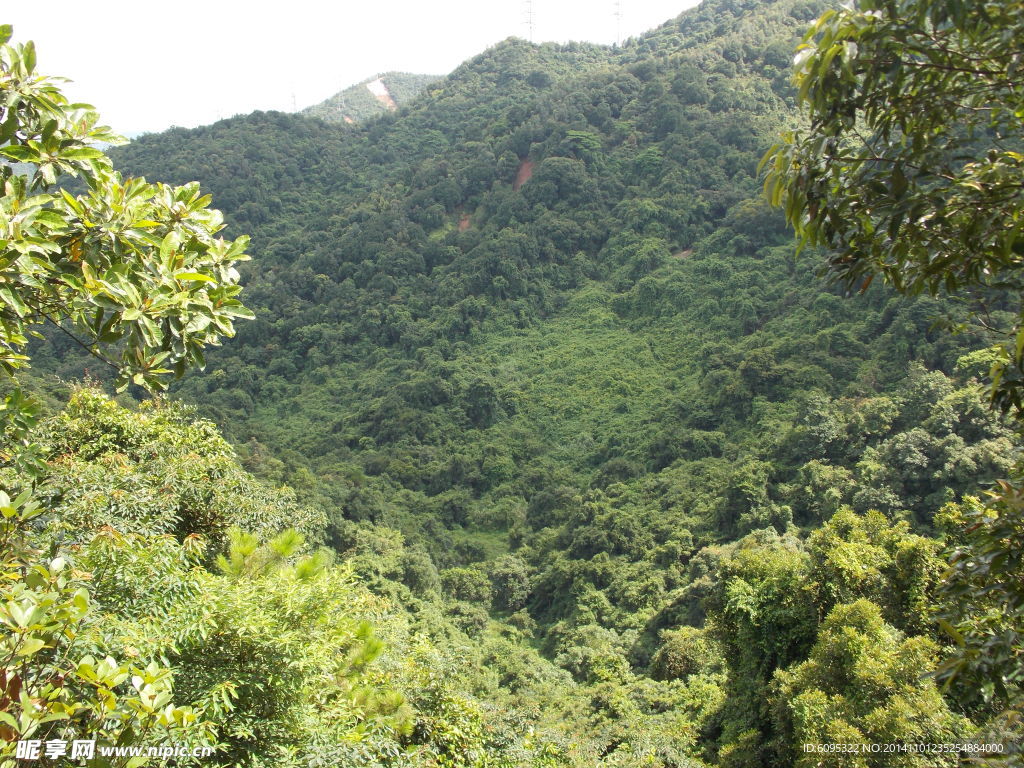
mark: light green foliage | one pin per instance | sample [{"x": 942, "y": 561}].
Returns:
[
  {"x": 246, "y": 555},
  {"x": 282, "y": 635},
  {"x": 132, "y": 573},
  {"x": 52, "y": 686},
  {"x": 684, "y": 652},
  {"x": 776, "y": 603},
  {"x": 241, "y": 645},
  {"x": 983, "y": 599},
  {"x": 127, "y": 263},
  {"x": 155, "y": 471},
  {"x": 862, "y": 684},
  {"x": 274, "y": 656},
  {"x": 126, "y": 266},
  {"x": 466, "y": 584},
  {"x": 510, "y": 583},
  {"x": 864, "y": 557},
  {"x": 763, "y": 617}
]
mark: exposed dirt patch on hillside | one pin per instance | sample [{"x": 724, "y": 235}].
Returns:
[
  {"x": 464, "y": 222},
  {"x": 524, "y": 173},
  {"x": 381, "y": 93}
]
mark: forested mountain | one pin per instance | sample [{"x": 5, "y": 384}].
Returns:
[
  {"x": 371, "y": 97},
  {"x": 544, "y": 360}
]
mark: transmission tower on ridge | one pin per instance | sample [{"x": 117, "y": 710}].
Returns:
[
  {"x": 529, "y": 17},
  {"x": 618, "y": 22}
]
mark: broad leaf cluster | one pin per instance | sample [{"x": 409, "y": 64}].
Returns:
[
  {"x": 132, "y": 267},
  {"x": 912, "y": 168}
]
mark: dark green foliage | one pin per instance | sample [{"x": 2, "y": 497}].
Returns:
[
  {"x": 485, "y": 339},
  {"x": 685, "y": 651},
  {"x": 911, "y": 171},
  {"x": 911, "y": 166},
  {"x": 984, "y": 599}
]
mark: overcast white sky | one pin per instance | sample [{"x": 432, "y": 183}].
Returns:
[{"x": 150, "y": 65}]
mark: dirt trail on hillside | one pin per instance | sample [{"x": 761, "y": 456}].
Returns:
[{"x": 523, "y": 174}]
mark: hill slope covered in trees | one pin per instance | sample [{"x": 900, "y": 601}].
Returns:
[{"x": 371, "y": 97}]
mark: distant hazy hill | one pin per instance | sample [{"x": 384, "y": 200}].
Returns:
[{"x": 381, "y": 93}]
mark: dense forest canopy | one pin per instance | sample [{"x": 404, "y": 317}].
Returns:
[{"x": 543, "y": 447}]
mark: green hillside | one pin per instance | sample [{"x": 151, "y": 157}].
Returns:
[
  {"x": 371, "y": 97},
  {"x": 544, "y": 360}
]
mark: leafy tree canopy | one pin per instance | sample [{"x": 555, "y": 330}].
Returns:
[
  {"x": 912, "y": 165},
  {"x": 912, "y": 169},
  {"x": 132, "y": 267},
  {"x": 127, "y": 266}
]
